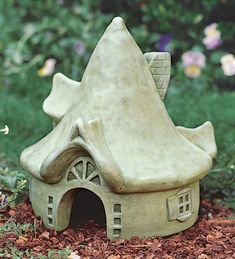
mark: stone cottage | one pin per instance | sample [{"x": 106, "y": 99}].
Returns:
[{"x": 113, "y": 137}]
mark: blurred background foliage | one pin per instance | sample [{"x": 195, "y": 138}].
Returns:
[{"x": 66, "y": 32}]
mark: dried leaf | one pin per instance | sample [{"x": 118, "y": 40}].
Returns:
[
  {"x": 204, "y": 240},
  {"x": 218, "y": 234},
  {"x": 12, "y": 213},
  {"x": 20, "y": 242},
  {"x": 203, "y": 256},
  {"x": 45, "y": 234},
  {"x": 113, "y": 257}
]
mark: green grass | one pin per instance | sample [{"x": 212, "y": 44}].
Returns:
[
  {"x": 189, "y": 106},
  {"x": 21, "y": 110}
]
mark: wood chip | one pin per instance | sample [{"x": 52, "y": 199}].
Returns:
[{"x": 206, "y": 239}]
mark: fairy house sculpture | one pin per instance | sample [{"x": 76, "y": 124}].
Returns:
[{"x": 113, "y": 137}]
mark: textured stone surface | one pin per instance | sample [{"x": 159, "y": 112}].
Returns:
[
  {"x": 160, "y": 67},
  {"x": 139, "y": 214},
  {"x": 137, "y": 147}
]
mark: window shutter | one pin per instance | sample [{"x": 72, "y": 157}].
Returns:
[{"x": 173, "y": 207}]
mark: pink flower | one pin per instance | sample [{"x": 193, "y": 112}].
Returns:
[
  {"x": 228, "y": 64},
  {"x": 193, "y": 58},
  {"x": 193, "y": 62},
  {"x": 212, "y": 39},
  {"x": 48, "y": 68},
  {"x": 212, "y": 42}
]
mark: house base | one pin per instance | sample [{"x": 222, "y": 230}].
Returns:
[{"x": 159, "y": 213}]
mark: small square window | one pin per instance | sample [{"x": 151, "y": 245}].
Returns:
[
  {"x": 117, "y": 208},
  {"x": 181, "y": 199},
  {"x": 49, "y": 211},
  {"x": 117, "y": 232},
  {"x": 117, "y": 221},
  {"x": 180, "y": 205},
  {"x": 50, "y": 221},
  {"x": 50, "y": 199},
  {"x": 187, "y": 197},
  {"x": 181, "y": 209}
]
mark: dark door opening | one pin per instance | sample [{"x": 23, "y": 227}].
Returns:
[{"x": 87, "y": 206}]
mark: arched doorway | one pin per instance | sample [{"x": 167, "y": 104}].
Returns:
[{"x": 87, "y": 206}]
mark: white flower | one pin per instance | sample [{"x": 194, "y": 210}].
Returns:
[
  {"x": 73, "y": 255},
  {"x": 228, "y": 64},
  {"x": 5, "y": 130}
]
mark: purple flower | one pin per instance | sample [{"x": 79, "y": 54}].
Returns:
[
  {"x": 164, "y": 41},
  {"x": 79, "y": 48},
  {"x": 213, "y": 36}
]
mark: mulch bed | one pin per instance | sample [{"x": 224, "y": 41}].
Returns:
[{"x": 213, "y": 236}]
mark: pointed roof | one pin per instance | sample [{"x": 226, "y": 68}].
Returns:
[{"x": 134, "y": 143}]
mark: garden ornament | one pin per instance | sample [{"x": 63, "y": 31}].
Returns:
[{"x": 113, "y": 137}]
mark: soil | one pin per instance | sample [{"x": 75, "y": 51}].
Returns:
[{"x": 213, "y": 236}]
